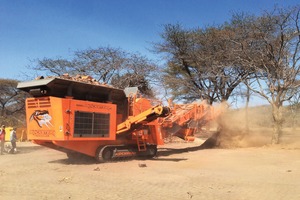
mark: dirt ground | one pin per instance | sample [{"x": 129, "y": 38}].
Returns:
[{"x": 180, "y": 171}]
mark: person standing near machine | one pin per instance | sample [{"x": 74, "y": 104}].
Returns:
[
  {"x": 13, "y": 140},
  {"x": 2, "y": 138}
]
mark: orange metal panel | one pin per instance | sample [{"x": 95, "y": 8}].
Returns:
[
  {"x": 52, "y": 118},
  {"x": 140, "y": 105},
  {"x": 44, "y": 118},
  {"x": 72, "y": 106}
]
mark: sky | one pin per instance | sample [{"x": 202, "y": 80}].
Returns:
[{"x": 36, "y": 29}]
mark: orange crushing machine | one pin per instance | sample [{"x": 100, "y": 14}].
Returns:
[
  {"x": 95, "y": 120},
  {"x": 185, "y": 120}
]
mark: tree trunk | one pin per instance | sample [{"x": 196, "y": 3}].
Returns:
[
  {"x": 2, "y": 112},
  {"x": 278, "y": 121},
  {"x": 247, "y": 110}
]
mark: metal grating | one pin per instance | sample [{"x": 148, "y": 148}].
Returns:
[
  {"x": 90, "y": 124},
  {"x": 38, "y": 103}
]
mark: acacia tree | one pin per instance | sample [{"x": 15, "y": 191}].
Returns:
[
  {"x": 12, "y": 102},
  {"x": 210, "y": 63},
  {"x": 294, "y": 108},
  {"x": 272, "y": 49},
  {"x": 102, "y": 63},
  {"x": 200, "y": 64},
  {"x": 53, "y": 67},
  {"x": 105, "y": 64},
  {"x": 138, "y": 72}
]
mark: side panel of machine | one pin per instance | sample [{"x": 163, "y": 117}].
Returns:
[
  {"x": 44, "y": 118},
  {"x": 86, "y": 120}
]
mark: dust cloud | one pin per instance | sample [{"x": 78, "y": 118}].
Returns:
[{"x": 248, "y": 128}]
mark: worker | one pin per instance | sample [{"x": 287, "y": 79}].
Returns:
[
  {"x": 2, "y": 138},
  {"x": 13, "y": 140}
]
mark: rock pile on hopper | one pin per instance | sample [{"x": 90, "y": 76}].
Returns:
[{"x": 78, "y": 77}]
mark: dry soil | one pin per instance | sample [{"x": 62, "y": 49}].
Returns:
[{"x": 180, "y": 171}]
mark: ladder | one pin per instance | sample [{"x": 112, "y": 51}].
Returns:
[{"x": 141, "y": 143}]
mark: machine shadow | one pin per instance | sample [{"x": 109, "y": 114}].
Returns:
[
  {"x": 169, "y": 159},
  {"x": 162, "y": 155},
  {"x": 209, "y": 143},
  {"x": 86, "y": 160},
  {"x": 80, "y": 161},
  {"x": 171, "y": 151},
  {"x": 91, "y": 161}
]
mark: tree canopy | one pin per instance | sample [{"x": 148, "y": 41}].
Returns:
[
  {"x": 12, "y": 102},
  {"x": 211, "y": 62},
  {"x": 107, "y": 65}
]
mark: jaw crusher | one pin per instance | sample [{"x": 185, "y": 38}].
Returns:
[{"x": 92, "y": 119}]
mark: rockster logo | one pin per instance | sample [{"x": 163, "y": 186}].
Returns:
[{"x": 41, "y": 117}]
